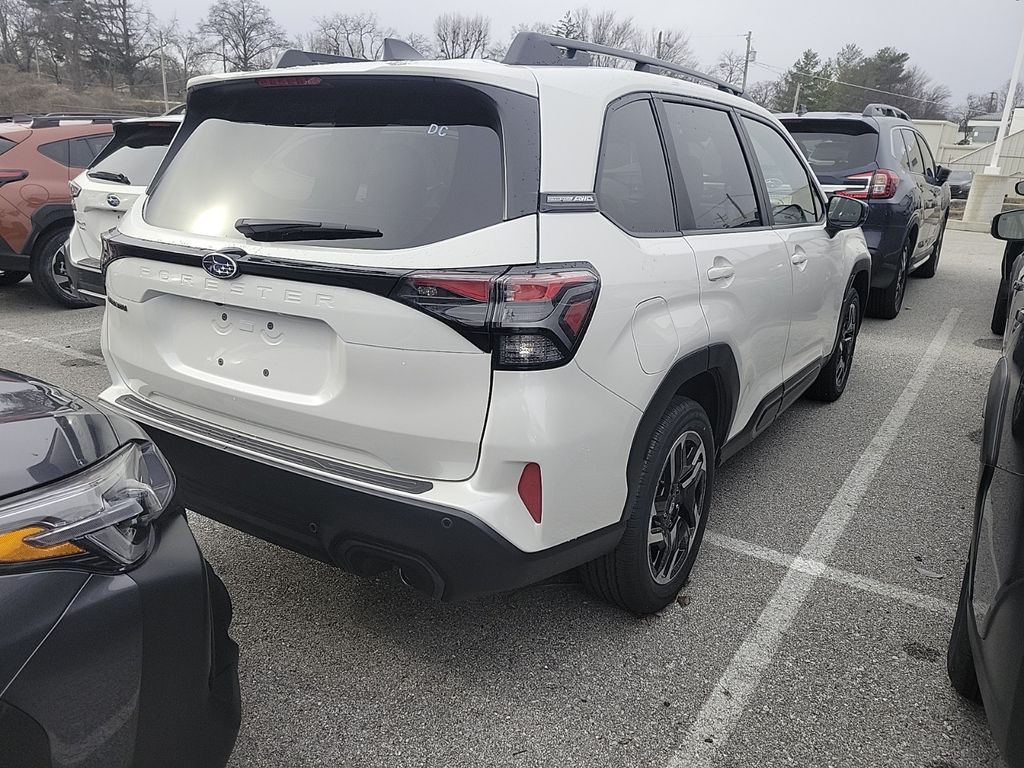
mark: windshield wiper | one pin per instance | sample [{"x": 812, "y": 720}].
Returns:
[
  {"x": 119, "y": 178},
  {"x": 282, "y": 230}
]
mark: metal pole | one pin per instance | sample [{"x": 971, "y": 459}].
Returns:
[
  {"x": 223, "y": 56},
  {"x": 746, "y": 61},
  {"x": 796, "y": 98},
  {"x": 658, "y": 55},
  {"x": 163, "y": 71},
  {"x": 1004, "y": 125}
]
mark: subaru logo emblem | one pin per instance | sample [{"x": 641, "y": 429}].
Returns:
[
  {"x": 220, "y": 265},
  {"x": 113, "y": 201}
]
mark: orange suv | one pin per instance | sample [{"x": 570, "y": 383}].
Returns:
[{"x": 38, "y": 157}]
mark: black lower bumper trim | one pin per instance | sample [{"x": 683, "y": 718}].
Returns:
[
  {"x": 444, "y": 552},
  {"x": 88, "y": 282}
]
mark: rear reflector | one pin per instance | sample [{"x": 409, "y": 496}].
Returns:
[
  {"x": 286, "y": 81},
  {"x": 8, "y": 175},
  {"x": 530, "y": 490}
]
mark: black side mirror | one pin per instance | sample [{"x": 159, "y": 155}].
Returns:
[
  {"x": 845, "y": 213},
  {"x": 941, "y": 175},
  {"x": 1009, "y": 225},
  {"x": 1019, "y": 189}
]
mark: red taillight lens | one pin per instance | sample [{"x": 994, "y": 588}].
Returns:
[
  {"x": 8, "y": 175},
  {"x": 530, "y": 491},
  {"x": 529, "y": 317},
  {"x": 879, "y": 185},
  {"x": 286, "y": 81}
]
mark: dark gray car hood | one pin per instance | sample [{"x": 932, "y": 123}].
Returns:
[{"x": 47, "y": 433}]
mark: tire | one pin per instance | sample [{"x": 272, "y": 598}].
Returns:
[
  {"x": 645, "y": 572},
  {"x": 1001, "y": 308},
  {"x": 927, "y": 270},
  {"x": 959, "y": 657},
  {"x": 831, "y": 381},
  {"x": 48, "y": 274},
  {"x": 11, "y": 277},
  {"x": 888, "y": 302}
]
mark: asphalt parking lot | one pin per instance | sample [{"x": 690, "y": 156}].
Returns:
[{"x": 812, "y": 632}]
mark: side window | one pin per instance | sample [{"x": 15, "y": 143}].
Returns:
[
  {"x": 790, "y": 189},
  {"x": 56, "y": 150},
  {"x": 81, "y": 153},
  {"x": 712, "y": 167},
  {"x": 632, "y": 185},
  {"x": 97, "y": 143},
  {"x": 912, "y": 161},
  {"x": 926, "y": 154}
]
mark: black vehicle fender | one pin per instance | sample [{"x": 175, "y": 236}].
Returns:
[
  {"x": 711, "y": 377},
  {"x": 995, "y": 412},
  {"x": 46, "y": 218},
  {"x": 860, "y": 278}
]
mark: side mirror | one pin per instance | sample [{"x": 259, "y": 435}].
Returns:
[
  {"x": 1019, "y": 189},
  {"x": 1009, "y": 225},
  {"x": 941, "y": 175},
  {"x": 845, "y": 213}
]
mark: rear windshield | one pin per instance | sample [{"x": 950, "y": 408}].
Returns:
[
  {"x": 6, "y": 144},
  {"x": 418, "y": 160},
  {"x": 836, "y": 150},
  {"x": 135, "y": 151}
]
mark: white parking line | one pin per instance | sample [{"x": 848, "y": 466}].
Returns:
[
  {"x": 836, "y": 575},
  {"x": 46, "y": 344},
  {"x": 718, "y": 717}
]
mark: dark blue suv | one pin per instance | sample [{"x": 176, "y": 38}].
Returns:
[{"x": 880, "y": 157}]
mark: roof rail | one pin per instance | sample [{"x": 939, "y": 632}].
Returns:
[
  {"x": 54, "y": 121},
  {"x": 293, "y": 57},
  {"x": 884, "y": 110},
  {"x": 536, "y": 49}
]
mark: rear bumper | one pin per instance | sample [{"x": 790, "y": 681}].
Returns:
[
  {"x": 137, "y": 671},
  {"x": 442, "y": 551},
  {"x": 88, "y": 282},
  {"x": 11, "y": 259}
]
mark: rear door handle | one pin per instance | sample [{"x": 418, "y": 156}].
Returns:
[{"x": 720, "y": 273}]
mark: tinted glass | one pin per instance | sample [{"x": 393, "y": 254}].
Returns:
[
  {"x": 911, "y": 158},
  {"x": 959, "y": 177},
  {"x": 82, "y": 153},
  {"x": 926, "y": 155},
  {"x": 713, "y": 167},
  {"x": 56, "y": 150},
  {"x": 6, "y": 144},
  {"x": 790, "y": 191},
  {"x": 136, "y": 152},
  {"x": 97, "y": 143},
  {"x": 632, "y": 186},
  {"x": 419, "y": 162},
  {"x": 836, "y": 149}
]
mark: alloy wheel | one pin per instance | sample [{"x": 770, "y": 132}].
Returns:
[
  {"x": 901, "y": 276},
  {"x": 58, "y": 267},
  {"x": 677, "y": 508},
  {"x": 847, "y": 342}
]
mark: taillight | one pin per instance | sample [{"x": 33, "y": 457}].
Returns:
[
  {"x": 9, "y": 175},
  {"x": 529, "y": 318},
  {"x": 74, "y": 189},
  {"x": 879, "y": 185}
]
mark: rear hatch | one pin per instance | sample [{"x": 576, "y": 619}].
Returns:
[
  {"x": 119, "y": 174},
  {"x": 365, "y": 220},
  {"x": 842, "y": 153}
]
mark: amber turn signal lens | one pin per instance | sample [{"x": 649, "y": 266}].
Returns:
[{"x": 14, "y": 549}]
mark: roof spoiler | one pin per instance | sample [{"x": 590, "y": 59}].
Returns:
[
  {"x": 293, "y": 57},
  {"x": 536, "y": 49},
  {"x": 884, "y": 110}
]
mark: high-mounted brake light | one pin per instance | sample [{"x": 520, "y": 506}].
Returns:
[
  {"x": 878, "y": 185},
  {"x": 287, "y": 80},
  {"x": 530, "y": 318},
  {"x": 8, "y": 175}
]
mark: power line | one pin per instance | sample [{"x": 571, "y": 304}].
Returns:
[{"x": 780, "y": 71}]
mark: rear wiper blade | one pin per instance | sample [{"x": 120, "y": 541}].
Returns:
[
  {"x": 282, "y": 230},
  {"x": 120, "y": 178}
]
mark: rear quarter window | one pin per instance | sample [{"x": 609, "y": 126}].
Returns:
[{"x": 6, "y": 144}]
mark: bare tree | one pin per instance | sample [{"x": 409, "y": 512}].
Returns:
[
  {"x": 460, "y": 36},
  {"x": 187, "y": 53},
  {"x": 245, "y": 33},
  {"x": 19, "y": 33},
  {"x": 359, "y": 35},
  {"x": 126, "y": 39},
  {"x": 730, "y": 67},
  {"x": 498, "y": 49},
  {"x": 763, "y": 92}
]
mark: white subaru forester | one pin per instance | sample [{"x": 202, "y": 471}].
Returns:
[{"x": 478, "y": 322}]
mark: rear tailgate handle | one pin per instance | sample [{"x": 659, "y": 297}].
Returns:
[{"x": 720, "y": 273}]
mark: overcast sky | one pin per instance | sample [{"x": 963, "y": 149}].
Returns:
[{"x": 969, "y": 44}]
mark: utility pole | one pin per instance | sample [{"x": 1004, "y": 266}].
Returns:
[
  {"x": 658, "y": 54},
  {"x": 796, "y": 98},
  {"x": 746, "y": 61},
  {"x": 163, "y": 71},
  {"x": 223, "y": 56},
  {"x": 1004, "y": 125}
]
